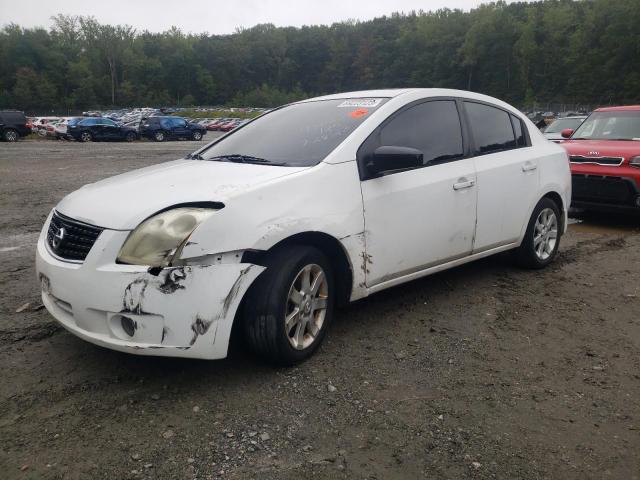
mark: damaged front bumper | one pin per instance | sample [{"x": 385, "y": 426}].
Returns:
[{"x": 185, "y": 311}]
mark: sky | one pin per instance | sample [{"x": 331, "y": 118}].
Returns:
[{"x": 214, "y": 16}]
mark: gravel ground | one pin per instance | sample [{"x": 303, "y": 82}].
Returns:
[{"x": 483, "y": 371}]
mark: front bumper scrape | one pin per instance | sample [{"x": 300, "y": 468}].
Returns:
[{"x": 185, "y": 311}]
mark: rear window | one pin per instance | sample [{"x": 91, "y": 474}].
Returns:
[{"x": 298, "y": 135}]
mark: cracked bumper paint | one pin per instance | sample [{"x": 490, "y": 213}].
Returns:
[{"x": 180, "y": 312}]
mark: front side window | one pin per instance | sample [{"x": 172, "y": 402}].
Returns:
[
  {"x": 297, "y": 135},
  {"x": 616, "y": 125},
  {"x": 88, "y": 122},
  {"x": 491, "y": 127},
  {"x": 432, "y": 127},
  {"x": 179, "y": 122},
  {"x": 108, "y": 123}
]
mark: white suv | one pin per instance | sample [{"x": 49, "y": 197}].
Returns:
[{"x": 311, "y": 205}]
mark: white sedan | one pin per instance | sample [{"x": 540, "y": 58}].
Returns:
[{"x": 305, "y": 208}]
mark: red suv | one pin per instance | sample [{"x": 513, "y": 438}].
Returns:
[{"x": 605, "y": 159}]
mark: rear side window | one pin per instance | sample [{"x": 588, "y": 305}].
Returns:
[
  {"x": 491, "y": 127},
  {"x": 432, "y": 127},
  {"x": 518, "y": 129},
  {"x": 13, "y": 118}
]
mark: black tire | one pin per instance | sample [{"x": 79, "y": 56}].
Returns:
[
  {"x": 10, "y": 135},
  {"x": 267, "y": 302},
  {"x": 130, "y": 137},
  {"x": 86, "y": 137},
  {"x": 159, "y": 136},
  {"x": 527, "y": 255},
  {"x": 197, "y": 135}
]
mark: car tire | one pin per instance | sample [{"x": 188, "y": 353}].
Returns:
[
  {"x": 272, "y": 328},
  {"x": 541, "y": 241},
  {"x": 197, "y": 135},
  {"x": 160, "y": 136},
  {"x": 86, "y": 137},
  {"x": 130, "y": 137},
  {"x": 10, "y": 135}
]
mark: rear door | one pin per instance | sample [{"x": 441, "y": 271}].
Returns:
[
  {"x": 507, "y": 174},
  {"x": 179, "y": 127},
  {"x": 419, "y": 218}
]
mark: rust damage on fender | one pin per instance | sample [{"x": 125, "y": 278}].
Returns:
[{"x": 366, "y": 260}]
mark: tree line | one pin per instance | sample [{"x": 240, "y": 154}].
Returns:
[{"x": 547, "y": 51}]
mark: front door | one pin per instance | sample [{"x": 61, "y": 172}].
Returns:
[{"x": 419, "y": 218}]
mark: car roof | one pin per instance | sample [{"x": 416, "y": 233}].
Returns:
[
  {"x": 619, "y": 109},
  {"x": 423, "y": 92}
]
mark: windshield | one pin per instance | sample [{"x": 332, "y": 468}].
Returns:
[
  {"x": 617, "y": 125},
  {"x": 564, "y": 123},
  {"x": 298, "y": 135}
]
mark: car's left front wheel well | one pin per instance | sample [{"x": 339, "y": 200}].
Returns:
[{"x": 328, "y": 245}]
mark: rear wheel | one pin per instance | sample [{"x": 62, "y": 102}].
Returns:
[
  {"x": 290, "y": 306},
  {"x": 542, "y": 239},
  {"x": 86, "y": 137},
  {"x": 10, "y": 135},
  {"x": 159, "y": 136},
  {"x": 130, "y": 137}
]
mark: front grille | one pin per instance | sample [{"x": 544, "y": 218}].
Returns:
[
  {"x": 613, "y": 161},
  {"x": 70, "y": 239},
  {"x": 603, "y": 189}
]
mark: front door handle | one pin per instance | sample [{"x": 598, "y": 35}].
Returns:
[
  {"x": 529, "y": 167},
  {"x": 463, "y": 183}
]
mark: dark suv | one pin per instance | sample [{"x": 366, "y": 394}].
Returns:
[
  {"x": 13, "y": 124},
  {"x": 165, "y": 128},
  {"x": 100, "y": 128}
]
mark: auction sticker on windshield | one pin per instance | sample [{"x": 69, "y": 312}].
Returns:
[{"x": 361, "y": 102}]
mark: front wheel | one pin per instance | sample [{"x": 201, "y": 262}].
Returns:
[
  {"x": 85, "y": 137},
  {"x": 197, "y": 135},
  {"x": 289, "y": 308},
  {"x": 542, "y": 239},
  {"x": 159, "y": 136}
]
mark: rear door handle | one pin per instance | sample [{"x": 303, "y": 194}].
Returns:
[
  {"x": 464, "y": 183},
  {"x": 529, "y": 167}
]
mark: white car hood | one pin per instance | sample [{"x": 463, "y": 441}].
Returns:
[{"x": 123, "y": 201}]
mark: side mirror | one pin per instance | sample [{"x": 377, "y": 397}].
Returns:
[
  {"x": 392, "y": 158},
  {"x": 567, "y": 132}
]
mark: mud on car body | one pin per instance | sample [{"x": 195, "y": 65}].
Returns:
[{"x": 310, "y": 206}]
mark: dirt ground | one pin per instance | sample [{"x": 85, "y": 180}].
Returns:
[{"x": 484, "y": 371}]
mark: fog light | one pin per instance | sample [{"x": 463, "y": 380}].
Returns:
[
  {"x": 638, "y": 201},
  {"x": 128, "y": 325}
]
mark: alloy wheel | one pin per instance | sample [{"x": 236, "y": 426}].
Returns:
[
  {"x": 545, "y": 234},
  {"x": 306, "y": 306}
]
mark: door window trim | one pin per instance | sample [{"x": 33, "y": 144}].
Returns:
[{"x": 466, "y": 145}]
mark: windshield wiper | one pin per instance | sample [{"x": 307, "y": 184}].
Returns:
[
  {"x": 237, "y": 158},
  {"x": 194, "y": 156}
]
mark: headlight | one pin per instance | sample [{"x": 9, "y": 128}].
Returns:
[
  {"x": 157, "y": 241},
  {"x": 635, "y": 162}
]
